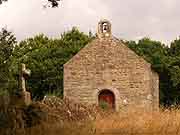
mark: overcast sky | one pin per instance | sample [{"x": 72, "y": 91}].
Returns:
[{"x": 131, "y": 19}]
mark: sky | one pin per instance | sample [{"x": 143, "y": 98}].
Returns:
[{"x": 131, "y": 19}]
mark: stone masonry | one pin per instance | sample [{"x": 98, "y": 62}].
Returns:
[{"x": 107, "y": 64}]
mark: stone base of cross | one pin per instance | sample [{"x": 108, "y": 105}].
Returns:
[{"x": 21, "y": 97}]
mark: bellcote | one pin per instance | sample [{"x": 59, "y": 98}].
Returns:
[{"x": 104, "y": 29}]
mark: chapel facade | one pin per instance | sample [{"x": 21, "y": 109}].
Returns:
[{"x": 106, "y": 71}]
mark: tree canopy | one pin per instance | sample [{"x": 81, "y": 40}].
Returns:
[
  {"x": 7, "y": 43},
  {"x": 45, "y": 57}
]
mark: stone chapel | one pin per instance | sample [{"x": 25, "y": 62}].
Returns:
[{"x": 107, "y": 71}]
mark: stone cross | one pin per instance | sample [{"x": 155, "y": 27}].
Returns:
[{"x": 22, "y": 77}]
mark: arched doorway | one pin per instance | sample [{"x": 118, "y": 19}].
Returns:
[{"x": 106, "y": 99}]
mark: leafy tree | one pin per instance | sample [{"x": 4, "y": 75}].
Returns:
[
  {"x": 174, "y": 58},
  {"x": 7, "y": 43},
  {"x": 45, "y": 57}
]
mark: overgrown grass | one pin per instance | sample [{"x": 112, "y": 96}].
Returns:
[
  {"x": 166, "y": 122},
  {"x": 58, "y": 120},
  {"x": 139, "y": 122}
]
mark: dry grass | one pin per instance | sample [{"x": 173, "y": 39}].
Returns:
[
  {"x": 164, "y": 122},
  {"x": 57, "y": 117},
  {"x": 130, "y": 123}
]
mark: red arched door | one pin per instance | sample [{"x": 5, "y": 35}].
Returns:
[{"x": 106, "y": 99}]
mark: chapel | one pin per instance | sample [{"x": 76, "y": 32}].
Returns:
[{"x": 108, "y": 73}]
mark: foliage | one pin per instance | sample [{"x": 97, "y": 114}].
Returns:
[
  {"x": 7, "y": 42},
  {"x": 45, "y": 57},
  {"x": 104, "y": 105}
]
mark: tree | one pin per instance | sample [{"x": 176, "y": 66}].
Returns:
[
  {"x": 7, "y": 43},
  {"x": 45, "y": 57},
  {"x": 174, "y": 69}
]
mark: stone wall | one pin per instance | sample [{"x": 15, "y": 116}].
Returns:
[{"x": 109, "y": 64}]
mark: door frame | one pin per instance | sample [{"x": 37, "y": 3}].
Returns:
[
  {"x": 111, "y": 93},
  {"x": 118, "y": 99}
]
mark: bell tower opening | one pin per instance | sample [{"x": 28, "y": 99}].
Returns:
[{"x": 104, "y": 29}]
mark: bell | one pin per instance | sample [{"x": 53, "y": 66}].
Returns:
[{"x": 105, "y": 27}]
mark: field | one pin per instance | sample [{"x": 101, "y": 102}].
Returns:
[{"x": 56, "y": 117}]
